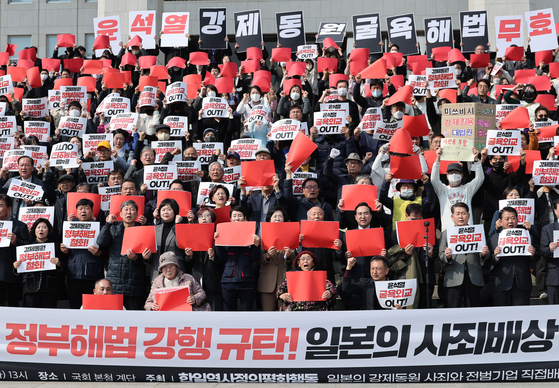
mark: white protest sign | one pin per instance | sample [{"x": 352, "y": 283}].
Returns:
[
  {"x": 441, "y": 77},
  {"x": 496, "y": 67},
  {"x": 503, "y": 110},
  {"x": 285, "y": 129},
  {"x": 96, "y": 172},
  {"x": 371, "y": 119},
  {"x": 73, "y": 93},
  {"x": 11, "y": 157},
  {"x": 106, "y": 193},
  {"x": 176, "y": 92},
  {"x": 90, "y": 141},
  {"x": 115, "y": 105},
  {"x": 258, "y": 113},
  {"x": 35, "y": 107},
  {"x": 35, "y": 257},
  {"x": 2, "y": 108},
  {"x": 525, "y": 208},
  {"x": 246, "y": 147},
  {"x": 418, "y": 84},
  {"x": 24, "y": 190},
  {"x": 159, "y": 177},
  {"x": 5, "y": 229},
  {"x": 175, "y": 29},
  {"x": 80, "y": 234},
  {"x": 54, "y": 99},
  {"x": 329, "y": 123},
  {"x": 336, "y": 106},
  {"x": 556, "y": 241},
  {"x": 514, "y": 242},
  {"x": 543, "y": 124},
  {"x": 332, "y": 95},
  {"x": 385, "y": 131},
  {"x": 188, "y": 170},
  {"x": 142, "y": 23},
  {"x": 307, "y": 51},
  {"x": 214, "y": 107},
  {"x": 541, "y": 28},
  {"x": 178, "y": 125},
  {"x": 72, "y": 126},
  {"x": 6, "y": 84},
  {"x": 231, "y": 174},
  {"x": 509, "y": 30},
  {"x": 392, "y": 292},
  {"x": 126, "y": 121},
  {"x": 205, "y": 187},
  {"x": 64, "y": 155},
  {"x": 109, "y": 26},
  {"x": 457, "y": 149},
  {"x": 206, "y": 151},
  {"x": 6, "y": 144},
  {"x": 503, "y": 142},
  {"x": 162, "y": 147},
  {"x": 465, "y": 239},
  {"x": 8, "y": 125},
  {"x": 298, "y": 179},
  {"x": 148, "y": 97},
  {"x": 40, "y": 129},
  {"x": 546, "y": 172},
  {"x": 29, "y": 214}
]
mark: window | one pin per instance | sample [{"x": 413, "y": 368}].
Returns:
[
  {"x": 58, "y": 1},
  {"x": 19, "y": 1},
  {"x": 89, "y": 40},
  {"x": 51, "y": 44},
  {"x": 21, "y": 41}
]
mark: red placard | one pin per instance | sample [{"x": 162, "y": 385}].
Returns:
[
  {"x": 89, "y": 82},
  {"x": 281, "y": 54},
  {"x": 376, "y": 70},
  {"x": 531, "y": 157},
  {"x": 553, "y": 70},
  {"x": 329, "y": 42},
  {"x": 223, "y": 214},
  {"x": 455, "y": 55},
  {"x": 449, "y": 94},
  {"x": 209, "y": 79},
  {"x": 365, "y": 242},
  {"x": 25, "y": 63},
  {"x": 523, "y": 76},
  {"x": 73, "y": 199},
  {"x": 173, "y": 299},
  {"x": 11, "y": 49},
  {"x": 413, "y": 232},
  {"x": 353, "y": 195},
  {"x": 50, "y": 64},
  {"x": 295, "y": 68},
  {"x": 359, "y": 55},
  {"x": 479, "y": 60},
  {"x": 138, "y": 239},
  {"x": 92, "y": 66},
  {"x": 544, "y": 56},
  {"x": 18, "y": 94},
  {"x": 62, "y": 82},
  {"x": 114, "y": 80},
  {"x": 357, "y": 67},
  {"x": 147, "y": 80},
  {"x": 547, "y": 100},
  {"x": 192, "y": 79},
  {"x": 416, "y": 125},
  {"x": 28, "y": 53},
  {"x": 18, "y": 73},
  {"x": 117, "y": 200},
  {"x": 418, "y": 68},
  {"x": 74, "y": 65},
  {"x": 408, "y": 167},
  {"x": 280, "y": 235},
  {"x": 161, "y": 72},
  {"x": 65, "y": 40},
  {"x": 301, "y": 148},
  {"x": 236, "y": 234},
  {"x": 198, "y": 237},
  {"x": 254, "y": 53},
  {"x": 34, "y": 77},
  {"x": 402, "y": 95},
  {"x": 334, "y": 78},
  {"x": 128, "y": 59},
  {"x": 127, "y": 76},
  {"x": 393, "y": 60},
  {"x": 147, "y": 61},
  {"x": 288, "y": 84},
  {"x": 320, "y": 234},
  {"x": 183, "y": 198},
  {"x": 258, "y": 173},
  {"x": 430, "y": 157},
  {"x": 514, "y": 53},
  {"x": 192, "y": 90},
  {"x": 225, "y": 84},
  {"x": 306, "y": 286},
  {"x": 102, "y": 302},
  {"x": 401, "y": 142},
  {"x": 250, "y": 66},
  {"x": 101, "y": 42},
  {"x": 550, "y": 131},
  {"x": 162, "y": 85},
  {"x": 517, "y": 118},
  {"x": 199, "y": 58},
  {"x": 440, "y": 54},
  {"x": 263, "y": 74},
  {"x": 541, "y": 82},
  {"x": 5, "y": 58},
  {"x": 135, "y": 41},
  {"x": 330, "y": 64},
  {"x": 229, "y": 69}
]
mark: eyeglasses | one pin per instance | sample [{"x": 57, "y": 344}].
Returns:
[
  {"x": 311, "y": 187},
  {"x": 542, "y": 117}
]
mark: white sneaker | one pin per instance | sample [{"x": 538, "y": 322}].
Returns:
[{"x": 543, "y": 295}]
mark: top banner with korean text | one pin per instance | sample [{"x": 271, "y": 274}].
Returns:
[
  {"x": 546, "y": 172},
  {"x": 525, "y": 208},
  {"x": 401, "y": 31},
  {"x": 72, "y": 126},
  {"x": 438, "y": 33},
  {"x": 441, "y": 78},
  {"x": 465, "y": 239},
  {"x": 213, "y": 28},
  {"x": 509, "y": 30},
  {"x": 309, "y": 51},
  {"x": 285, "y": 129},
  {"x": 329, "y": 122},
  {"x": 206, "y": 151},
  {"x": 35, "y": 257},
  {"x": 176, "y": 92},
  {"x": 335, "y": 31},
  {"x": 248, "y": 29},
  {"x": 246, "y": 147},
  {"x": 178, "y": 124},
  {"x": 108, "y": 26},
  {"x": 142, "y": 23},
  {"x": 174, "y": 26},
  {"x": 514, "y": 242},
  {"x": 64, "y": 155},
  {"x": 214, "y": 107},
  {"x": 291, "y": 29},
  {"x": 6, "y": 84},
  {"x": 473, "y": 30},
  {"x": 35, "y": 107},
  {"x": 503, "y": 142},
  {"x": 396, "y": 292},
  {"x": 366, "y": 32},
  {"x": 541, "y": 30},
  {"x": 80, "y": 234}
]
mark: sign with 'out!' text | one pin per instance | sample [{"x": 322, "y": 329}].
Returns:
[
  {"x": 466, "y": 239},
  {"x": 329, "y": 122},
  {"x": 285, "y": 129},
  {"x": 503, "y": 142},
  {"x": 207, "y": 150},
  {"x": 514, "y": 242},
  {"x": 392, "y": 292},
  {"x": 159, "y": 177}
]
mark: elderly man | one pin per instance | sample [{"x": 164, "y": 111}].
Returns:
[
  {"x": 147, "y": 158},
  {"x": 103, "y": 287},
  {"x": 353, "y": 163},
  {"x": 104, "y": 154}
]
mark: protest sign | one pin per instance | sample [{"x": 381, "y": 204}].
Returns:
[
  {"x": 413, "y": 232},
  {"x": 392, "y": 292},
  {"x": 546, "y": 172},
  {"x": 418, "y": 83},
  {"x": 320, "y": 234},
  {"x": 334, "y": 31},
  {"x": 401, "y": 31},
  {"x": 366, "y": 32},
  {"x": 162, "y": 147},
  {"x": 5, "y": 229},
  {"x": 108, "y": 26},
  {"x": 106, "y": 192},
  {"x": 198, "y": 237},
  {"x": 235, "y": 234},
  {"x": 465, "y": 239},
  {"x": 258, "y": 113},
  {"x": 173, "y": 298},
  {"x": 525, "y": 208},
  {"x": 80, "y": 234},
  {"x": 114, "y": 106},
  {"x": 297, "y": 179},
  {"x": 176, "y": 92},
  {"x": 333, "y": 106},
  {"x": 365, "y": 242},
  {"x": 309, "y": 51},
  {"x": 306, "y": 286},
  {"x": 25, "y": 190},
  {"x": 6, "y": 85},
  {"x": 29, "y": 214},
  {"x": 8, "y": 126},
  {"x": 37, "y": 153},
  {"x": 457, "y": 149},
  {"x": 54, "y": 99},
  {"x": 64, "y": 155},
  {"x": 91, "y": 141},
  {"x": 148, "y": 97},
  {"x": 206, "y": 151},
  {"x": 97, "y": 172},
  {"x": 290, "y": 29},
  {"x": 231, "y": 174},
  {"x": 246, "y": 147},
  {"x": 441, "y": 77},
  {"x": 468, "y": 121},
  {"x": 11, "y": 157},
  {"x": 175, "y": 27},
  {"x": 353, "y": 195},
  {"x": 473, "y": 30},
  {"x": 503, "y": 142},
  {"x": 40, "y": 129},
  {"x": 72, "y": 126},
  {"x": 385, "y": 131},
  {"x": 214, "y": 107},
  {"x": 329, "y": 123},
  {"x": 73, "y": 93},
  {"x": 138, "y": 239},
  {"x": 35, "y": 107},
  {"x": 35, "y": 257},
  {"x": 280, "y": 235},
  {"x": 248, "y": 29},
  {"x": 541, "y": 28},
  {"x": 126, "y": 121},
  {"x": 102, "y": 302},
  {"x": 6, "y": 144},
  {"x": 178, "y": 125},
  {"x": 285, "y": 129},
  {"x": 258, "y": 173},
  {"x": 514, "y": 242},
  {"x": 159, "y": 177},
  {"x": 503, "y": 110}
]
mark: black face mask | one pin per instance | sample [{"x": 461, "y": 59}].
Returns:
[
  {"x": 190, "y": 158},
  {"x": 210, "y": 139},
  {"x": 529, "y": 94},
  {"x": 498, "y": 166},
  {"x": 149, "y": 112}
]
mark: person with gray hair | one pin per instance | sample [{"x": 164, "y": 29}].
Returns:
[{"x": 147, "y": 157}]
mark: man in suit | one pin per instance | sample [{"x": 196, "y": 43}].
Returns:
[
  {"x": 511, "y": 274},
  {"x": 547, "y": 250},
  {"x": 463, "y": 277}
]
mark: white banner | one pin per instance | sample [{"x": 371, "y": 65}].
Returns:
[
  {"x": 54, "y": 99},
  {"x": 148, "y": 97},
  {"x": 329, "y": 123},
  {"x": 205, "y": 187},
  {"x": 109, "y": 26},
  {"x": 307, "y": 51},
  {"x": 142, "y": 23},
  {"x": 97, "y": 172},
  {"x": 126, "y": 121},
  {"x": 385, "y": 131},
  {"x": 73, "y": 93},
  {"x": 231, "y": 174},
  {"x": 392, "y": 292},
  {"x": 80, "y": 234},
  {"x": 162, "y": 147},
  {"x": 175, "y": 27},
  {"x": 178, "y": 124},
  {"x": 90, "y": 141},
  {"x": 35, "y": 107},
  {"x": 35, "y": 257},
  {"x": 336, "y": 106},
  {"x": 40, "y": 129},
  {"x": 503, "y": 142},
  {"x": 72, "y": 126},
  {"x": 6, "y": 84},
  {"x": 159, "y": 177},
  {"x": 246, "y": 147},
  {"x": 64, "y": 155},
  {"x": 503, "y": 110},
  {"x": 298, "y": 179},
  {"x": 541, "y": 28},
  {"x": 465, "y": 239},
  {"x": 111, "y": 106},
  {"x": 106, "y": 193},
  {"x": 509, "y": 30},
  {"x": 214, "y": 107},
  {"x": 176, "y": 92},
  {"x": 8, "y": 125},
  {"x": 206, "y": 151},
  {"x": 5, "y": 229},
  {"x": 11, "y": 157},
  {"x": 372, "y": 118},
  {"x": 525, "y": 208},
  {"x": 25, "y": 190},
  {"x": 546, "y": 172},
  {"x": 514, "y": 242},
  {"x": 29, "y": 214},
  {"x": 188, "y": 170},
  {"x": 441, "y": 78}
]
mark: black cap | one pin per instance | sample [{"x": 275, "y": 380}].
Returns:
[
  {"x": 69, "y": 177},
  {"x": 164, "y": 127},
  {"x": 455, "y": 167}
]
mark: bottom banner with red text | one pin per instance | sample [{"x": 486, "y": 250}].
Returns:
[{"x": 438, "y": 345}]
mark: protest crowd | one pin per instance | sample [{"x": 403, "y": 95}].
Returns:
[{"x": 311, "y": 177}]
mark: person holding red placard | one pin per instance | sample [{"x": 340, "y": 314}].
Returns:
[
  {"x": 273, "y": 264},
  {"x": 296, "y": 97},
  {"x": 412, "y": 261},
  {"x": 347, "y": 217},
  {"x": 126, "y": 272},
  {"x": 172, "y": 276},
  {"x": 238, "y": 279},
  {"x": 259, "y": 203},
  {"x": 306, "y": 261}
]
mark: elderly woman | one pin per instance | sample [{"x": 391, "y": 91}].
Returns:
[
  {"x": 218, "y": 197},
  {"x": 306, "y": 261},
  {"x": 172, "y": 276}
]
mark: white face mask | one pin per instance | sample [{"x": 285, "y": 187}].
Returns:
[
  {"x": 454, "y": 179},
  {"x": 255, "y": 97},
  {"x": 282, "y": 64},
  {"x": 163, "y": 136},
  {"x": 342, "y": 92},
  {"x": 458, "y": 72},
  {"x": 74, "y": 113},
  {"x": 295, "y": 96},
  {"x": 44, "y": 77},
  {"x": 398, "y": 115},
  {"x": 211, "y": 93},
  {"x": 96, "y": 76},
  {"x": 135, "y": 52},
  {"x": 309, "y": 67},
  {"x": 406, "y": 193}
]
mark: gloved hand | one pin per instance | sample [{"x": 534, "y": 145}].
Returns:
[
  {"x": 416, "y": 149},
  {"x": 334, "y": 153},
  {"x": 384, "y": 148}
]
